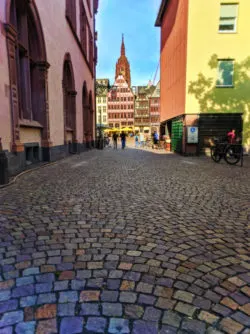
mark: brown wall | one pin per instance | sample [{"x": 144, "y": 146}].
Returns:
[{"x": 173, "y": 58}]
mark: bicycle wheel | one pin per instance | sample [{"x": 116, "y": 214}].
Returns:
[
  {"x": 215, "y": 155},
  {"x": 232, "y": 155}
]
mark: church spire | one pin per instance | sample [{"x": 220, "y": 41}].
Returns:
[{"x": 123, "y": 47}]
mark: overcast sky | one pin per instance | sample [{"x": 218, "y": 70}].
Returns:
[{"x": 136, "y": 19}]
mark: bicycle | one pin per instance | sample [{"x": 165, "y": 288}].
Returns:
[{"x": 232, "y": 153}]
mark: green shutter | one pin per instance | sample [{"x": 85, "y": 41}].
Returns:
[{"x": 176, "y": 136}]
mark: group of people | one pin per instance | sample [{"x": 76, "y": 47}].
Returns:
[
  {"x": 140, "y": 139},
  {"x": 123, "y": 139}
]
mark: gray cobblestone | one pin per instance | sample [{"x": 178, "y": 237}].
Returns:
[
  {"x": 194, "y": 326},
  {"x": 171, "y": 318},
  {"x": 96, "y": 324},
  {"x": 145, "y": 327},
  {"x": 117, "y": 325},
  {"x": 90, "y": 309},
  {"x": 66, "y": 310},
  {"x": 112, "y": 309},
  {"x": 152, "y": 314},
  {"x": 79, "y": 249}
]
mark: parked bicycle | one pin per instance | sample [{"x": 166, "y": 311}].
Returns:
[{"x": 232, "y": 153}]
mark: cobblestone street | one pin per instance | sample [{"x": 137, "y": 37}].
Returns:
[{"x": 126, "y": 242}]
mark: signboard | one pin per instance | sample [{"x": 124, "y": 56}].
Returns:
[{"x": 192, "y": 135}]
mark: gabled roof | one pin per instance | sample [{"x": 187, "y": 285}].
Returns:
[
  {"x": 161, "y": 12},
  {"x": 156, "y": 92},
  {"x": 148, "y": 90},
  {"x": 102, "y": 87}
]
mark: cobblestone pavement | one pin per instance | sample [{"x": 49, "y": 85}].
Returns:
[{"x": 126, "y": 242}]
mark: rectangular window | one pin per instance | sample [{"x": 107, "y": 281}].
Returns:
[
  {"x": 225, "y": 73},
  {"x": 71, "y": 12},
  {"x": 99, "y": 100},
  {"x": 228, "y": 17},
  {"x": 104, "y": 119},
  {"x": 104, "y": 99},
  {"x": 83, "y": 27},
  {"x": 104, "y": 109}
]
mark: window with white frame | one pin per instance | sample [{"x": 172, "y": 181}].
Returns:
[
  {"x": 104, "y": 99},
  {"x": 225, "y": 72},
  {"x": 104, "y": 119},
  {"x": 99, "y": 100},
  {"x": 228, "y": 18},
  {"x": 104, "y": 109}
]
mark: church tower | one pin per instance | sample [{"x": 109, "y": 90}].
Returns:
[{"x": 122, "y": 65}]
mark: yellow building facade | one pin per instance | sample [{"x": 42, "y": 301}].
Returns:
[
  {"x": 102, "y": 88},
  {"x": 218, "y": 59}
]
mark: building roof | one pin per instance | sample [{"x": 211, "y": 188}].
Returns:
[
  {"x": 161, "y": 12},
  {"x": 156, "y": 92},
  {"x": 148, "y": 90},
  {"x": 102, "y": 87}
]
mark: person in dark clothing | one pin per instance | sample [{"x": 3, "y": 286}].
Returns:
[
  {"x": 123, "y": 139},
  {"x": 115, "y": 136}
]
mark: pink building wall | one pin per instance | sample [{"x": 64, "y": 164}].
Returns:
[
  {"x": 5, "y": 114},
  {"x": 59, "y": 40}
]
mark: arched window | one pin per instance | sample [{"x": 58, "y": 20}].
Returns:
[
  {"x": 71, "y": 13},
  {"x": 69, "y": 96},
  {"x": 91, "y": 116},
  {"x": 28, "y": 51},
  {"x": 83, "y": 27},
  {"x": 91, "y": 50},
  {"x": 28, "y": 69},
  {"x": 85, "y": 109}
]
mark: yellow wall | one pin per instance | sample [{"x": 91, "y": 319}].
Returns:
[
  {"x": 102, "y": 104},
  {"x": 205, "y": 46},
  {"x": 30, "y": 135}
]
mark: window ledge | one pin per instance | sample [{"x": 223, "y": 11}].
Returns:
[
  {"x": 227, "y": 32},
  {"x": 30, "y": 124},
  {"x": 224, "y": 86},
  {"x": 68, "y": 129}
]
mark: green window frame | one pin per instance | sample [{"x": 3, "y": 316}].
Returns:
[{"x": 225, "y": 73}]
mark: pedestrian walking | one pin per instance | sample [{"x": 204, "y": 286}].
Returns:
[
  {"x": 123, "y": 139},
  {"x": 115, "y": 137},
  {"x": 142, "y": 139},
  {"x": 136, "y": 140},
  {"x": 155, "y": 139}
]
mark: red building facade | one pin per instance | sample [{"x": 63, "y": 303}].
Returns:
[
  {"x": 122, "y": 65},
  {"x": 120, "y": 105},
  {"x": 172, "y": 19},
  {"x": 142, "y": 108},
  {"x": 154, "y": 109}
]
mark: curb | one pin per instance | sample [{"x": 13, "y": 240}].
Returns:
[
  {"x": 36, "y": 168},
  {"x": 26, "y": 172}
]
